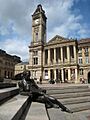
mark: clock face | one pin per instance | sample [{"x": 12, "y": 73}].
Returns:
[{"x": 36, "y": 21}]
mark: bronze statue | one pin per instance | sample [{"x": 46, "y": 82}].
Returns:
[{"x": 37, "y": 94}]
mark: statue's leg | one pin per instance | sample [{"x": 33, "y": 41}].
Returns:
[
  {"x": 50, "y": 102},
  {"x": 44, "y": 99},
  {"x": 58, "y": 103}
]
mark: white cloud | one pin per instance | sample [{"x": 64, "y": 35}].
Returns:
[
  {"x": 16, "y": 46},
  {"x": 65, "y": 22},
  {"x": 61, "y": 20}
]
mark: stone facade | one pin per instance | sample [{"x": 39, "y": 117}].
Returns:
[
  {"x": 84, "y": 59},
  {"x": 61, "y": 59},
  {"x": 21, "y": 67},
  {"x": 7, "y": 64}
]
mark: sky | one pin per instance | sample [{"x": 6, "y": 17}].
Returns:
[{"x": 67, "y": 18}]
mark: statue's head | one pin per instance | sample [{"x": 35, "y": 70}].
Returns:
[{"x": 26, "y": 74}]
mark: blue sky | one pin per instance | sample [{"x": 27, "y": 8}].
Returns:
[{"x": 67, "y": 18}]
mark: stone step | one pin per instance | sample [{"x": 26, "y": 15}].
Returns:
[
  {"x": 70, "y": 95},
  {"x": 63, "y": 87},
  {"x": 14, "y": 108},
  {"x": 75, "y": 100},
  {"x": 63, "y": 91},
  {"x": 7, "y": 93},
  {"x": 37, "y": 111},
  {"x": 85, "y": 115},
  {"x": 79, "y": 107},
  {"x": 7, "y": 85},
  {"x": 81, "y": 112}
]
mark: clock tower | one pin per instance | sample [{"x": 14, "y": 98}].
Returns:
[
  {"x": 36, "y": 48},
  {"x": 39, "y": 26}
]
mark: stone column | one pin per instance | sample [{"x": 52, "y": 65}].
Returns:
[
  {"x": 48, "y": 56},
  {"x": 62, "y": 75},
  {"x": 31, "y": 72},
  {"x": 54, "y": 74},
  {"x": 74, "y": 48},
  {"x": 31, "y": 58},
  {"x": 62, "y": 54},
  {"x": 68, "y": 54},
  {"x": 59, "y": 55},
  {"x": 76, "y": 78},
  {"x": 55, "y": 55},
  {"x": 44, "y": 57},
  {"x": 69, "y": 74},
  {"x": 48, "y": 74}
]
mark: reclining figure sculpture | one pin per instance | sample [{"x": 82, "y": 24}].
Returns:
[{"x": 29, "y": 87}]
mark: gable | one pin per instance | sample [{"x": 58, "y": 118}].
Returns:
[{"x": 57, "y": 39}]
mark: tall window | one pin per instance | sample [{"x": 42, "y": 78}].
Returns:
[
  {"x": 35, "y": 57},
  {"x": 71, "y": 51},
  {"x": 81, "y": 71},
  {"x": 86, "y": 49},
  {"x": 65, "y": 52},
  {"x": 35, "y": 61},
  {"x": 35, "y": 53},
  {"x": 80, "y": 52},
  {"x": 46, "y": 74},
  {"x": 80, "y": 60},
  {"x": 87, "y": 60}
]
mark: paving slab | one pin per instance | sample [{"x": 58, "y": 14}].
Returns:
[
  {"x": 8, "y": 92},
  {"x": 13, "y": 108},
  {"x": 85, "y": 114},
  {"x": 57, "y": 114},
  {"x": 37, "y": 111},
  {"x": 79, "y": 107}
]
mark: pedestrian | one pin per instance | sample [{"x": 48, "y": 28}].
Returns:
[
  {"x": 40, "y": 80},
  {"x": 39, "y": 95}
]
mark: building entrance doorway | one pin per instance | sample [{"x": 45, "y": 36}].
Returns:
[
  {"x": 89, "y": 77},
  {"x": 58, "y": 76},
  {"x": 51, "y": 74}
]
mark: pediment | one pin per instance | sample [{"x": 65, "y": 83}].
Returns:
[{"x": 57, "y": 39}]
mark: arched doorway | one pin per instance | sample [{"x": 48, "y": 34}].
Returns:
[{"x": 88, "y": 77}]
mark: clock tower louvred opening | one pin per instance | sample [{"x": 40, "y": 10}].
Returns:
[{"x": 39, "y": 26}]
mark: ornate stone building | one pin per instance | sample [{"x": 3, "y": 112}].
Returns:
[
  {"x": 84, "y": 59},
  {"x": 7, "y": 64},
  {"x": 56, "y": 59},
  {"x": 21, "y": 67}
]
